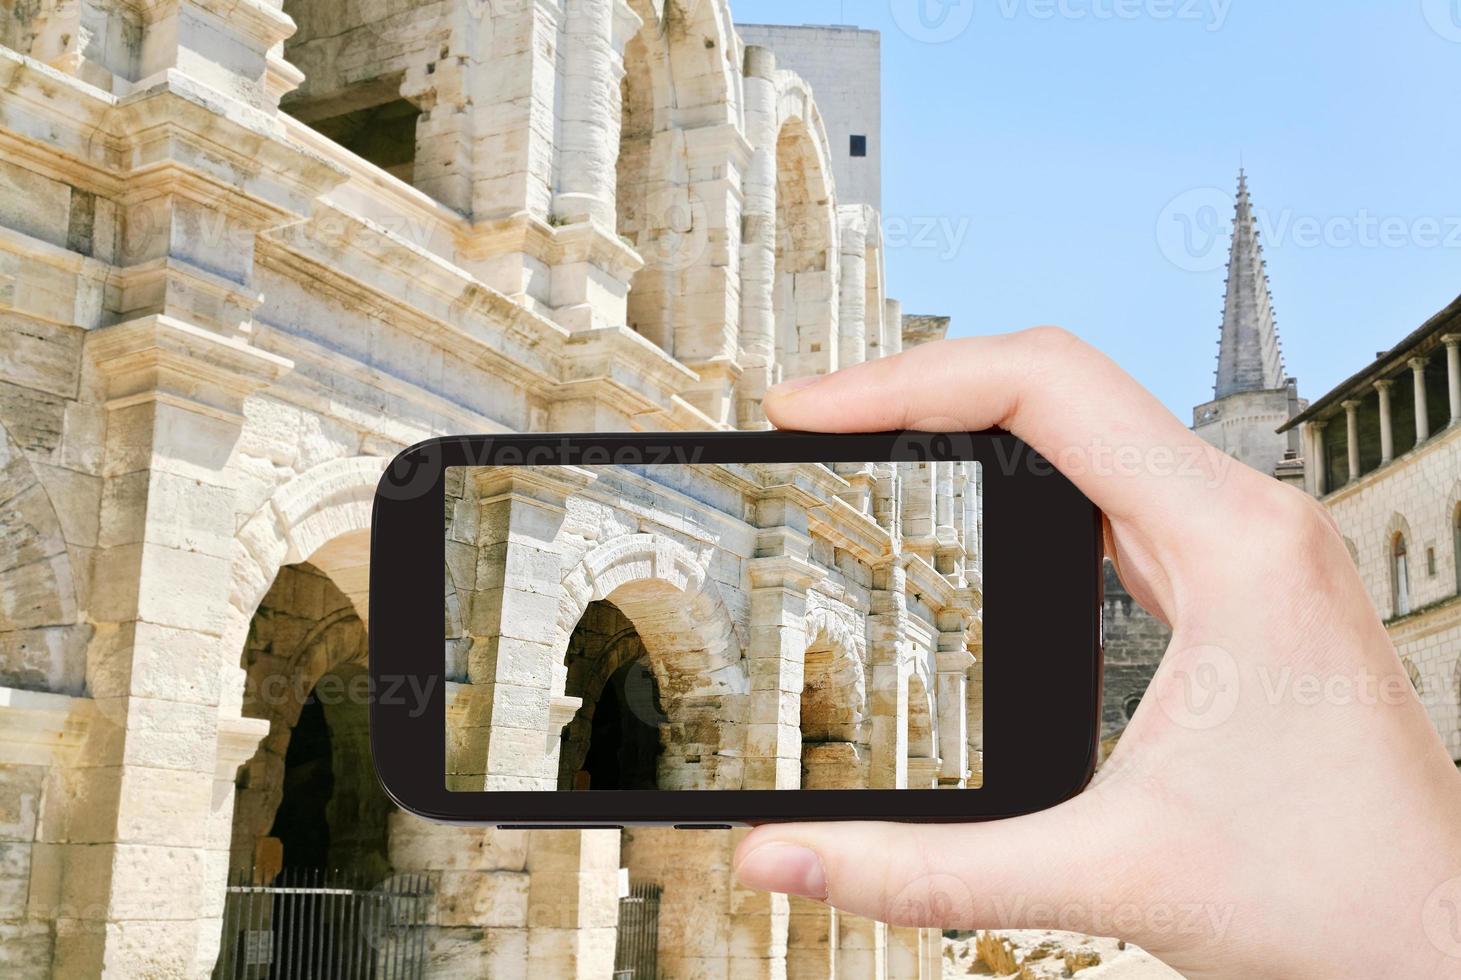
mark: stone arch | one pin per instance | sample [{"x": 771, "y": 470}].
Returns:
[
  {"x": 696, "y": 644},
  {"x": 689, "y": 639},
  {"x": 805, "y": 280},
  {"x": 676, "y": 79},
  {"x": 321, "y": 516},
  {"x": 42, "y": 642}
]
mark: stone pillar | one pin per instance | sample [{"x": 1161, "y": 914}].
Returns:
[
  {"x": 482, "y": 883},
  {"x": 499, "y": 732},
  {"x": 1352, "y": 436},
  {"x": 920, "y": 485},
  {"x": 951, "y": 695},
  {"x": 707, "y": 332},
  {"x": 888, "y": 694},
  {"x": 1387, "y": 429},
  {"x": 758, "y": 239},
  {"x": 811, "y": 941},
  {"x": 852, "y": 315},
  {"x": 974, "y": 714},
  {"x": 1453, "y": 373},
  {"x": 592, "y": 66},
  {"x": 1321, "y": 458},
  {"x": 904, "y": 953},
  {"x": 973, "y": 495},
  {"x": 862, "y": 948},
  {"x": 893, "y": 325},
  {"x": 233, "y": 46},
  {"x": 573, "y": 902},
  {"x": 1422, "y": 414},
  {"x": 143, "y": 889}
]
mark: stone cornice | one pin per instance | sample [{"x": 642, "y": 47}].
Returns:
[
  {"x": 258, "y": 22},
  {"x": 159, "y": 358},
  {"x": 238, "y": 740},
  {"x": 37, "y": 726},
  {"x": 926, "y": 581}
]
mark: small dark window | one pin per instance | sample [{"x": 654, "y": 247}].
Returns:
[{"x": 859, "y": 146}]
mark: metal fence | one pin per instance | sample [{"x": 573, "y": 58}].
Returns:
[
  {"x": 636, "y": 956},
  {"x": 310, "y": 924}
]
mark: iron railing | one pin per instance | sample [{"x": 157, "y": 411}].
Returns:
[
  {"x": 309, "y": 924},
  {"x": 636, "y": 954}
]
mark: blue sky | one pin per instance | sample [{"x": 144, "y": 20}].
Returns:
[{"x": 1087, "y": 150}]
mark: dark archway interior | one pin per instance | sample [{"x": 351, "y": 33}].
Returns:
[
  {"x": 302, "y": 821},
  {"x": 614, "y": 740}
]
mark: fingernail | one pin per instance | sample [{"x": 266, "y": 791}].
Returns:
[
  {"x": 785, "y": 868},
  {"x": 794, "y": 384}
]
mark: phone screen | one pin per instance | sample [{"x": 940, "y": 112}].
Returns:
[{"x": 689, "y": 626}]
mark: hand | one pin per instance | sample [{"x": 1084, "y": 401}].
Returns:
[{"x": 1240, "y": 829}]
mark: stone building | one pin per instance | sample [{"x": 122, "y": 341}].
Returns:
[
  {"x": 249, "y": 253},
  {"x": 1383, "y": 453}
]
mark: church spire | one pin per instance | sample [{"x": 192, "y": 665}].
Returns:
[{"x": 1249, "y": 357}]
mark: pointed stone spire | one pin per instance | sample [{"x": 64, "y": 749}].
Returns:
[{"x": 1249, "y": 356}]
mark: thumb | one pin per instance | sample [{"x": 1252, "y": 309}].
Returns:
[{"x": 1053, "y": 869}]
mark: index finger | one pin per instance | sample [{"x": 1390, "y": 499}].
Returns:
[{"x": 1067, "y": 400}]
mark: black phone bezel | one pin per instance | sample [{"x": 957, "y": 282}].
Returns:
[{"x": 1042, "y": 583}]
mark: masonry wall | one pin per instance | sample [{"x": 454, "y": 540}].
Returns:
[{"x": 1417, "y": 496}]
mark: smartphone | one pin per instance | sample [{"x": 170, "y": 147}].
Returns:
[{"x": 722, "y": 629}]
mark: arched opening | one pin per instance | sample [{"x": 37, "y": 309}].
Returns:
[
  {"x": 614, "y": 739},
  {"x": 802, "y": 288},
  {"x": 1399, "y": 576},
  {"x": 309, "y": 797},
  {"x": 647, "y": 213},
  {"x": 831, "y": 715},
  {"x": 922, "y": 760}
]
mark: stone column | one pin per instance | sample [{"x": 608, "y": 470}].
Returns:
[
  {"x": 573, "y": 902},
  {"x": 482, "y": 883},
  {"x": 758, "y": 239},
  {"x": 1321, "y": 460},
  {"x": 707, "y": 332},
  {"x": 499, "y": 733},
  {"x": 862, "y": 948},
  {"x": 1453, "y": 373},
  {"x": 852, "y": 316},
  {"x": 592, "y": 66},
  {"x": 1352, "y": 437},
  {"x": 904, "y": 949},
  {"x": 888, "y": 693},
  {"x": 893, "y": 325},
  {"x": 811, "y": 941},
  {"x": 951, "y": 695},
  {"x": 143, "y": 888},
  {"x": 1422, "y": 414},
  {"x": 920, "y": 486},
  {"x": 1387, "y": 429},
  {"x": 973, "y": 494}
]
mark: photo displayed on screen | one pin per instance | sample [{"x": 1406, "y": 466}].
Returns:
[{"x": 727, "y": 626}]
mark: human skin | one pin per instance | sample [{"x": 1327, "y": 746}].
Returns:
[{"x": 1280, "y": 804}]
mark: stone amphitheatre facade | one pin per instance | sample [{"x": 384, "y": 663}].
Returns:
[{"x": 247, "y": 254}]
